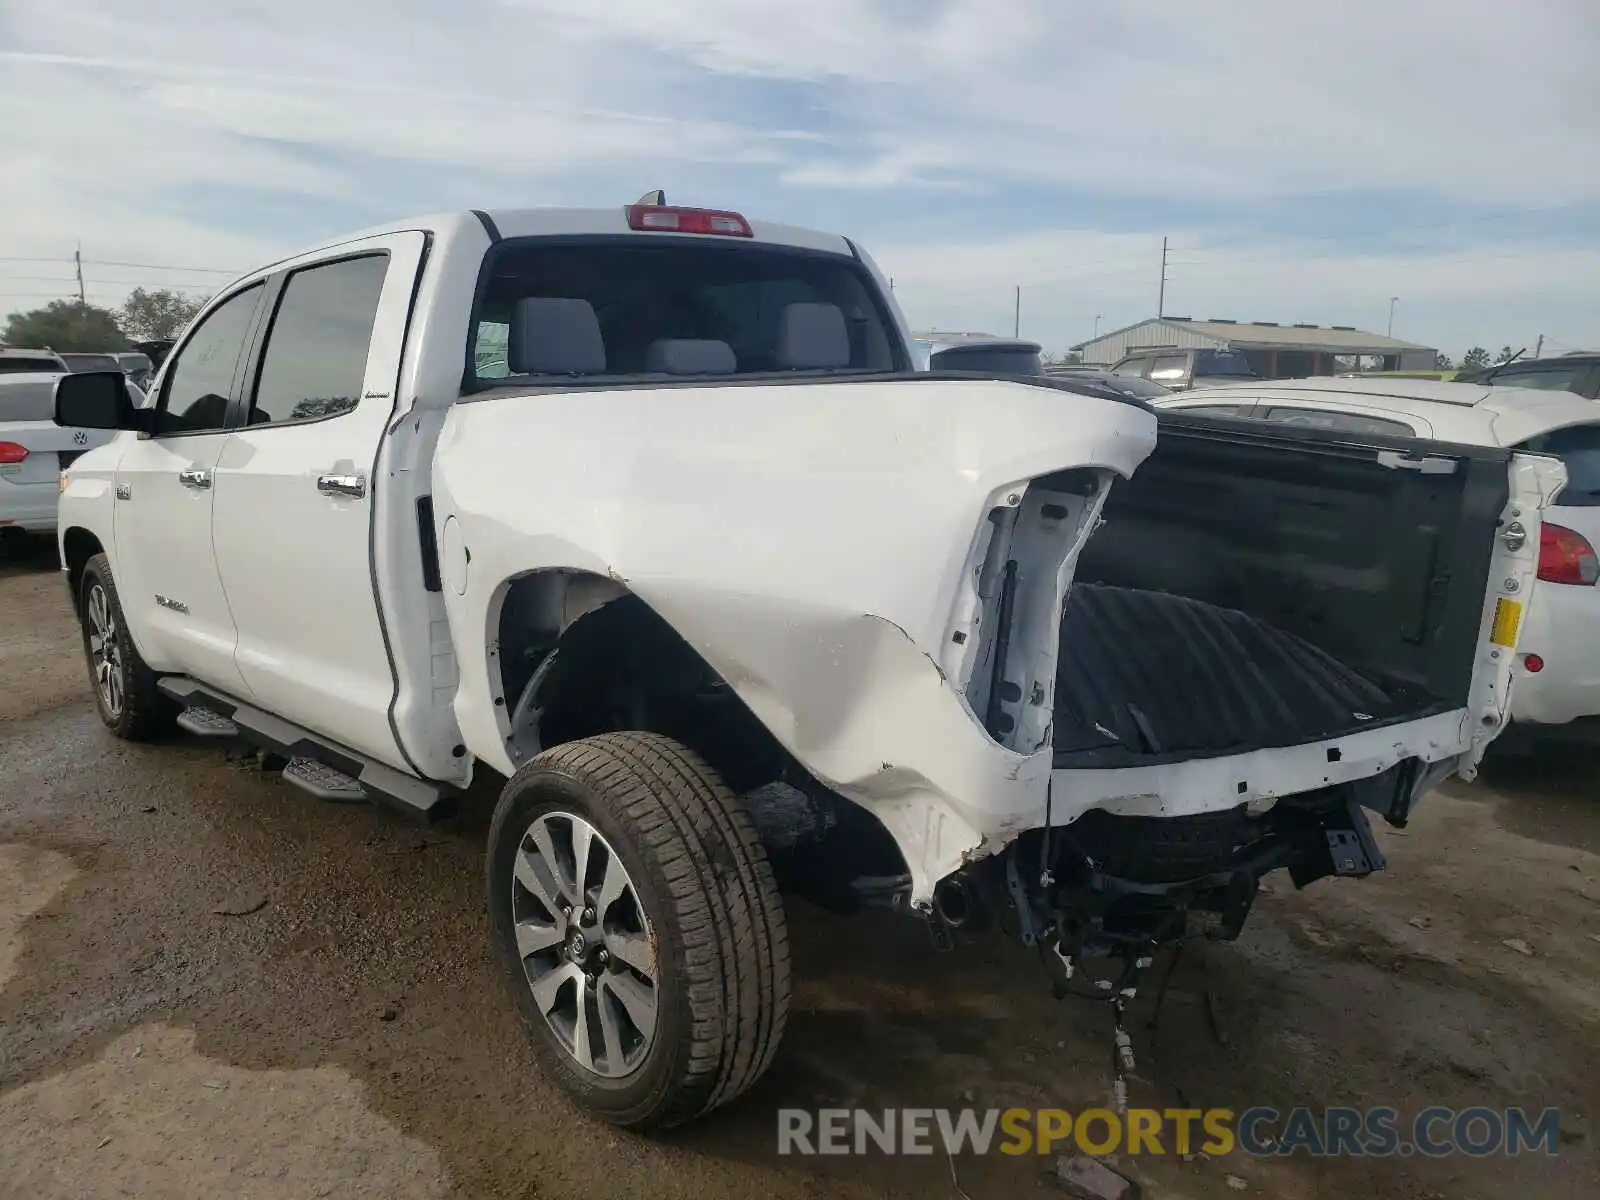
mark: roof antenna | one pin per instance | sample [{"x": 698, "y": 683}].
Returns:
[
  {"x": 655, "y": 199},
  {"x": 1501, "y": 366}
]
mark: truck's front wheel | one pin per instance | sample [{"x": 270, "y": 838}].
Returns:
[
  {"x": 639, "y": 926},
  {"x": 125, "y": 689}
]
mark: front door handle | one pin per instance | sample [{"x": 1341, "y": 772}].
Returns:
[
  {"x": 352, "y": 485},
  {"x": 194, "y": 477}
]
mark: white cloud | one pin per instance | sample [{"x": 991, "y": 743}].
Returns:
[{"x": 120, "y": 126}]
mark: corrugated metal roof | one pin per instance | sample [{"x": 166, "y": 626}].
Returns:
[{"x": 1264, "y": 335}]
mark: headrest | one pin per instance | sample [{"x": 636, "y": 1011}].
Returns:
[
  {"x": 690, "y": 356},
  {"x": 813, "y": 335},
  {"x": 553, "y": 335}
]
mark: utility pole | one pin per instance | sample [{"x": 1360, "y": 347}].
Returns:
[
  {"x": 77, "y": 261},
  {"x": 1389, "y": 332},
  {"x": 1538, "y": 349},
  {"x": 1161, "y": 296},
  {"x": 1097, "y": 317},
  {"x": 1016, "y": 318}
]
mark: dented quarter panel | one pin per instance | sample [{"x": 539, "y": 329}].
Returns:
[{"x": 808, "y": 540}]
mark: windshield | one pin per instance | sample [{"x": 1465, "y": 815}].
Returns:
[
  {"x": 598, "y": 309},
  {"x": 1222, "y": 362},
  {"x": 1546, "y": 379}
]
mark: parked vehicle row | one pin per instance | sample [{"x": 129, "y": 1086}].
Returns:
[
  {"x": 34, "y": 450},
  {"x": 736, "y": 599}
]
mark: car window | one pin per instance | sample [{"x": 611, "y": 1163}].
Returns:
[
  {"x": 18, "y": 364},
  {"x": 1168, "y": 367},
  {"x": 1214, "y": 410},
  {"x": 200, "y": 379},
  {"x": 27, "y": 400},
  {"x": 1579, "y": 448},
  {"x": 669, "y": 307},
  {"x": 316, "y": 353},
  {"x": 1344, "y": 422},
  {"x": 1222, "y": 362},
  {"x": 1546, "y": 379},
  {"x": 1134, "y": 367},
  {"x": 91, "y": 362}
]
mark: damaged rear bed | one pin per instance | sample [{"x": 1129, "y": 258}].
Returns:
[{"x": 1253, "y": 587}]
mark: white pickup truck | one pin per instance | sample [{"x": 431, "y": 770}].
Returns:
[{"x": 646, "y": 510}]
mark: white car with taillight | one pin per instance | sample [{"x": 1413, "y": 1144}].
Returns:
[
  {"x": 34, "y": 450},
  {"x": 1556, "y": 688}
]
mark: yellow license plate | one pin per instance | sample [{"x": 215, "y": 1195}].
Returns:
[{"x": 1507, "y": 620}]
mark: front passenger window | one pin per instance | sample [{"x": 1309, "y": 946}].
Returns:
[{"x": 200, "y": 380}]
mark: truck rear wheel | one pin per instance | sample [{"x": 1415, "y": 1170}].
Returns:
[
  {"x": 125, "y": 691},
  {"x": 639, "y": 927}
]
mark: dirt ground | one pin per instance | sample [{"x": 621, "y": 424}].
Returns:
[{"x": 212, "y": 984}]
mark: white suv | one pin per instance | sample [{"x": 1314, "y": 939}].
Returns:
[{"x": 1556, "y": 687}]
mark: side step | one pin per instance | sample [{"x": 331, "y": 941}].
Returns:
[
  {"x": 324, "y": 768},
  {"x": 324, "y": 782},
  {"x": 202, "y": 722}
]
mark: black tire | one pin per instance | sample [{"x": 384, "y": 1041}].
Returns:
[
  {"x": 143, "y": 713},
  {"x": 721, "y": 946}
]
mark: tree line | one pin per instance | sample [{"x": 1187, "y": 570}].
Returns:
[{"x": 145, "y": 316}]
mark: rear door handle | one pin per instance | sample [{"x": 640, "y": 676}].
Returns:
[
  {"x": 353, "y": 485},
  {"x": 194, "y": 477}
]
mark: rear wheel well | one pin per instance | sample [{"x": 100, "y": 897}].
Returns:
[
  {"x": 78, "y": 546},
  {"x": 580, "y": 655}
]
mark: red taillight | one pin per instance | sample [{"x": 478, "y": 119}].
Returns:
[
  {"x": 11, "y": 453},
  {"x": 662, "y": 218},
  {"x": 1565, "y": 556},
  {"x": 1532, "y": 663}
]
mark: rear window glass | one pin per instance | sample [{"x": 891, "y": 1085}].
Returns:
[
  {"x": 1546, "y": 379},
  {"x": 17, "y": 364},
  {"x": 1001, "y": 360},
  {"x": 639, "y": 307},
  {"x": 1343, "y": 422},
  {"x": 1222, "y": 362},
  {"x": 27, "y": 401},
  {"x": 91, "y": 362},
  {"x": 1168, "y": 368},
  {"x": 1579, "y": 448}
]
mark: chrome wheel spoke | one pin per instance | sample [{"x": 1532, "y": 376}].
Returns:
[
  {"x": 551, "y": 864},
  {"x": 582, "y": 844},
  {"x": 610, "y": 1033},
  {"x": 635, "y": 950},
  {"x": 581, "y": 1049},
  {"x": 612, "y": 885},
  {"x": 535, "y": 875},
  {"x": 638, "y": 1000},
  {"x": 534, "y": 936},
  {"x": 547, "y": 990}
]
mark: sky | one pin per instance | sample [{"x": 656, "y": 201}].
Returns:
[{"x": 1305, "y": 162}]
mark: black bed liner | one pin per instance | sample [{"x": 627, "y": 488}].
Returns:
[{"x": 1147, "y": 677}]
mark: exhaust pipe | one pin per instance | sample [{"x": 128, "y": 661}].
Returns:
[{"x": 953, "y": 901}]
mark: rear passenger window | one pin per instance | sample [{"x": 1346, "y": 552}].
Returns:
[
  {"x": 316, "y": 356},
  {"x": 1579, "y": 448},
  {"x": 1342, "y": 422},
  {"x": 199, "y": 384},
  {"x": 1168, "y": 367}
]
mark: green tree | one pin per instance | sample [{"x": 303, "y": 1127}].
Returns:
[
  {"x": 158, "y": 315},
  {"x": 65, "y": 325},
  {"x": 1505, "y": 354},
  {"x": 1475, "y": 359},
  {"x": 1442, "y": 362}
]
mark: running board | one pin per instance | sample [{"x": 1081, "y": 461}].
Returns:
[
  {"x": 202, "y": 722},
  {"x": 322, "y": 767}
]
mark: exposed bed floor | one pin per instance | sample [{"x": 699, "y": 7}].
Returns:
[{"x": 1147, "y": 676}]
